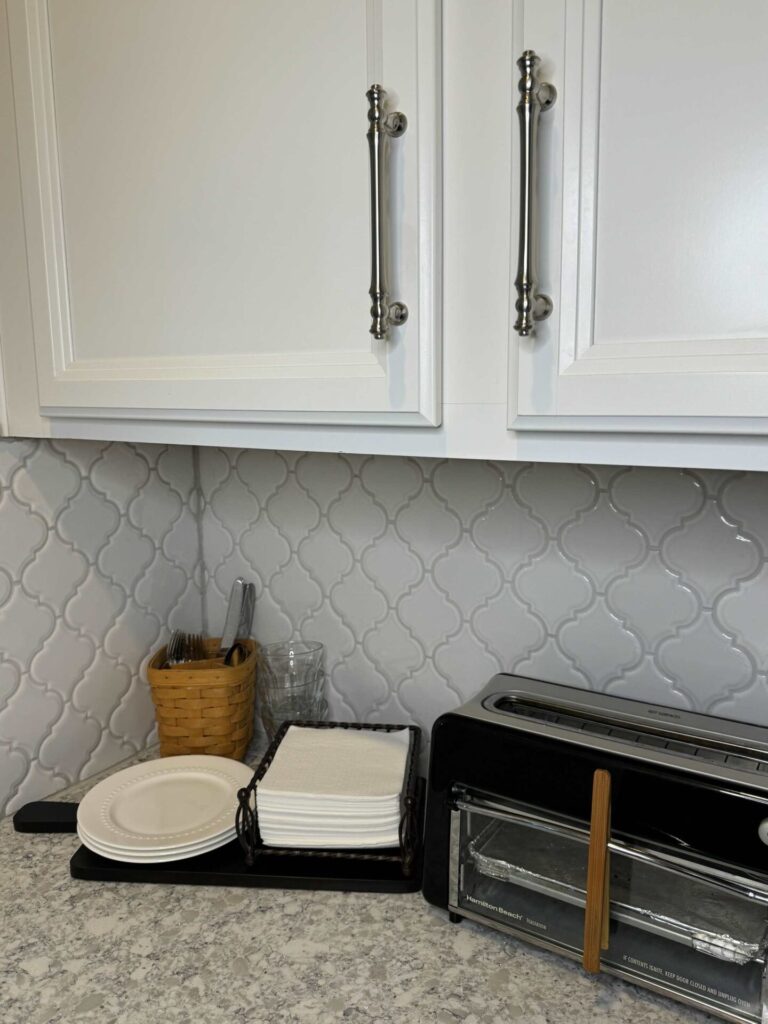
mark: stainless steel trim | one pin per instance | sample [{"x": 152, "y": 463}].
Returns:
[
  {"x": 680, "y": 724},
  {"x": 535, "y": 97},
  {"x": 608, "y": 745},
  {"x": 670, "y": 722},
  {"x": 454, "y": 857},
  {"x": 532, "y": 938},
  {"x": 638, "y": 979},
  {"x": 381, "y": 127},
  {"x": 647, "y": 734},
  {"x": 656, "y": 858}
]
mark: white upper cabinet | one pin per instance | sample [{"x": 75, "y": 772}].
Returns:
[
  {"x": 652, "y": 218},
  {"x": 186, "y": 213},
  {"x": 197, "y": 204}
]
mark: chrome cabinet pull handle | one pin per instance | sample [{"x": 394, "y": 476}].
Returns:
[
  {"x": 535, "y": 97},
  {"x": 381, "y": 127}
]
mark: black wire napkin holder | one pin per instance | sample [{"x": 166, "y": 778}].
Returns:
[{"x": 247, "y": 819}]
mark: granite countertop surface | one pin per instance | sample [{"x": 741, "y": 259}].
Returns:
[{"x": 77, "y": 951}]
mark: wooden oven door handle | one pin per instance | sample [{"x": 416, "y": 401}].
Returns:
[{"x": 598, "y": 907}]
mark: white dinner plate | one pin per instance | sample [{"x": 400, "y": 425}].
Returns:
[
  {"x": 164, "y": 857},
  {"x": 164, "y": 805},
  {"x": 200, "y": 847}
]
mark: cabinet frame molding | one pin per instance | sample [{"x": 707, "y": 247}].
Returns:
[
  {"x": 564, "y": 378},
  {"x": 348, "y": 386}
]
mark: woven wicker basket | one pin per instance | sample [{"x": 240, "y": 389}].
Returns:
[{"x": 204, "y": 707}]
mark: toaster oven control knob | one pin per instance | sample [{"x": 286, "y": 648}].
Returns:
[{"x": 762, "y": 831}]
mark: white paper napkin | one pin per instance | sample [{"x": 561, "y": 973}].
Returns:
[
  {"x": 339, "y": 841},
  {"x": 334, "y": 788},
  {"x": 338, "y": 763}
]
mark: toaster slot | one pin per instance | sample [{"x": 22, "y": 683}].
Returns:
[
  {"x": 571, "y": 719},
  {"x": 681, "y": 930}
]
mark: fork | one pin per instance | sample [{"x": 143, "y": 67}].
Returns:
[
  {"x": 183, "y": 647},
  {"x": 173, "y": 650},
  {"x": 194, "y": 649}
]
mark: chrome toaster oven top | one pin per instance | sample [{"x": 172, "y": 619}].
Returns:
[{"x": 512, "y": 829}]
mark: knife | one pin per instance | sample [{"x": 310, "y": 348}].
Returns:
[
  {"x": 245, "y": 625},
  {"x": 234, "y": 612}
]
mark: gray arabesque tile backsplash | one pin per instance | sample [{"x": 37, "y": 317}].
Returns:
[
  {"x": 98, "y": 551},
  {"x": 423, "y": 578}
]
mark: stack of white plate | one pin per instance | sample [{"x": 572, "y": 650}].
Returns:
[
  {"x": 169, "y": 809},
  {"x": 336, "y": 788}
]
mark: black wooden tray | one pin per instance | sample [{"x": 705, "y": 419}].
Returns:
[{"x": 226, "y": 865}]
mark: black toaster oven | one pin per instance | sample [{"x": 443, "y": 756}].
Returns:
[{"x": 513, "y": 837}]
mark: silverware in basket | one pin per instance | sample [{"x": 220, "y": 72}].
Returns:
[{"x": 184, "y": 647}]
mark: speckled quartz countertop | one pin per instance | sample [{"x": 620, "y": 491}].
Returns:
[{"x": 148, "y": 954}]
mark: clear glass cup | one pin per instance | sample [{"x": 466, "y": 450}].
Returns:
[{"x": 291, "y": 683}]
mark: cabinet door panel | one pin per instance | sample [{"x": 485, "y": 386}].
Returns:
[
  {"x": 654, "y": 215},
  {"x": 196, "y": 189}
]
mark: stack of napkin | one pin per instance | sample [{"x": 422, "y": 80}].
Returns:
[{"x": 336, "y": 788}]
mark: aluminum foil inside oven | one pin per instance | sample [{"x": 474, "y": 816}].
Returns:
[{"x": 709, "y": 918}]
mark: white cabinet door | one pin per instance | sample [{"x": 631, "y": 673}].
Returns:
[
  {"x": 195, "y": 178},
  {"x": 653, "y": 218}
]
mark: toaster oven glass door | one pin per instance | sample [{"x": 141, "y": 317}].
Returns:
[{"x": 687, "y": 931}]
